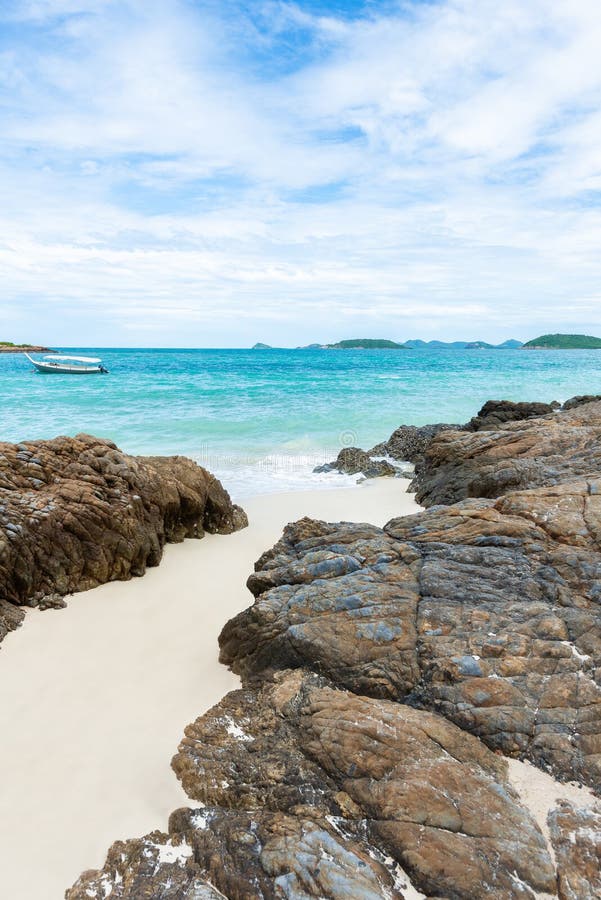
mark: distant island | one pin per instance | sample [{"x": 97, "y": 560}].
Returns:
[
  {"x": 366, "y": 344},
  {"x": 564, "y": 342},
  {"x": 462, "y": 345},
  {"x": 384, "y": 344},
  {"x": 9, "y": 347}
]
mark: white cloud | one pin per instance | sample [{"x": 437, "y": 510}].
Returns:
[{"x": 430, "y": 169}]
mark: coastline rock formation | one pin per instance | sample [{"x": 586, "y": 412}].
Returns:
[
  {"x": 516, "y": 456},
  {"x": 353, "y": 461},
  {"x": 316, "y": 792},
  {"x": 496, "y": 413},
  {"x": 408, "y": 443},
  {"x": 484, "y": 611},
  {"x": 77, "y": 512},
  {"x": 386, "y": 673}
]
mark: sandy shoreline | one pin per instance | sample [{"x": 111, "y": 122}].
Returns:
[{"x": 95, "y": 697}]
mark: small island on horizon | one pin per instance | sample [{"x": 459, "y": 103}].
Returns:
[
  {"x": 544, "y": 342},
  {"x": 564, "y": 342},
  {"x": 9, "y": 347}
]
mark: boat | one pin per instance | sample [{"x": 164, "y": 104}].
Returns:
[{"x": 68, "y": 365}]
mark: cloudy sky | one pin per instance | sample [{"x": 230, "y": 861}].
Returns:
[{"x": 215, "y": 173}]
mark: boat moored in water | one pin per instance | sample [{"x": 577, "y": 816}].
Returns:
[{"x": 68, "y": 365}]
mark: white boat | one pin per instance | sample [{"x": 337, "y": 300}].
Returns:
[{"x": 68, "y": 365}]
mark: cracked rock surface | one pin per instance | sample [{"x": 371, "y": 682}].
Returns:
[
  {"x": 386, "y": 674},
  {"x": 515, "y": 456},
  {"x": 486, "y": 611}
]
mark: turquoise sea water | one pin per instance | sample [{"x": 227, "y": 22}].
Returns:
[{"x": 263, "y": 419}]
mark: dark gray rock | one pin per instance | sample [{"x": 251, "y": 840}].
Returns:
[
  {"x": 580, "y": 400},
  {"x": 352, "y": 461},
  {"x": 496, "y": 413}
]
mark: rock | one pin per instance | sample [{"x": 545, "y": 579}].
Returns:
[
  {"x": 262, "y": 855},
  {"x": 487, "y": 611},
  {"x": 424, "y": 792},
  {"x": 576, "y": 838},
  {"x": 10, "y": 618},
  {"x": 156, "y": 865},
  {"x": 77, "y": 512},
  {"x": 495, "y": 413},
  {"x": 408, "y": 443},
  {"x": 580, "y": 400},
  {"x": 516, "y": 456},
  {"x": 352, "y": 461}
]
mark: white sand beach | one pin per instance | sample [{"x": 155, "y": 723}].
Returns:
[{"x": 95, "y": 697}]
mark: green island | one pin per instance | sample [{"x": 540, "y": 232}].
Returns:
[
  {"x": 9, "y": 347},
  {"x": 564, "y": 342}
]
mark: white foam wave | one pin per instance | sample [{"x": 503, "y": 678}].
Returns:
[{"x": 276, "y": 474}]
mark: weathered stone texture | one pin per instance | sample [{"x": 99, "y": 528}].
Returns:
[
  {"x": 487, "y": 611},
  {"x": 516, "y": 456},
  {"x": 576, "y": 838},
  {"x": 77, "y": 512}
]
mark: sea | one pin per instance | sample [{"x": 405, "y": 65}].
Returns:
[{"x": 262, "y": 420}]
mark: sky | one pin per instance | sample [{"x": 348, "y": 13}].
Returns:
[{"x": 215, "y": 172}]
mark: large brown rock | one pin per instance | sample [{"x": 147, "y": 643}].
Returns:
[
  {"x": 426, "y": 793},
  {"x": 516, "y": 456},
  {"x": 380, "y": 789},
  {"x": 576, "y": 838},
  {"x": 261, "y": 855},
  {"x": 77, "y": 512},
  {"x": 487, "y": 611}
]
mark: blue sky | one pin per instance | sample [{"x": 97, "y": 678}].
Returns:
[{"x": 212, "y": 173}]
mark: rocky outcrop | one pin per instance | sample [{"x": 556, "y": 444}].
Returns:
[
  {"x": 386, "y": 673},
  {"x": 353, "y": 461},
  {"x": 496, "y": 413},
  {"x": 517, "y": 456},
  {"x": 316, "y": 792},
  {"x": 409, "y": 442},
  {"x": 580, "y": 400},
  {"x": 259, "y": 855},
  {"x": 10, "y": 618},
  {"x": 486, "y": 611},
  {"x": 576, "y": 838},
  {"x": 77, "y": 512}
]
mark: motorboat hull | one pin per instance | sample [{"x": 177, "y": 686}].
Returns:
[{"x": 58, "y": 369}]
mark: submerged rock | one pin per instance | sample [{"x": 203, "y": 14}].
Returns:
[
  {"x": 77, "y": 512},
  {"x": 353, "y": 461}
]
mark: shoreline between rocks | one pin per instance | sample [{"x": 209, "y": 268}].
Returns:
[
  {"x": 98, "y": 694},
  {"x": 398, "y": 681}
]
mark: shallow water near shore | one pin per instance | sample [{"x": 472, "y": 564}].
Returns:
[{"x": 262, "y": 420}]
